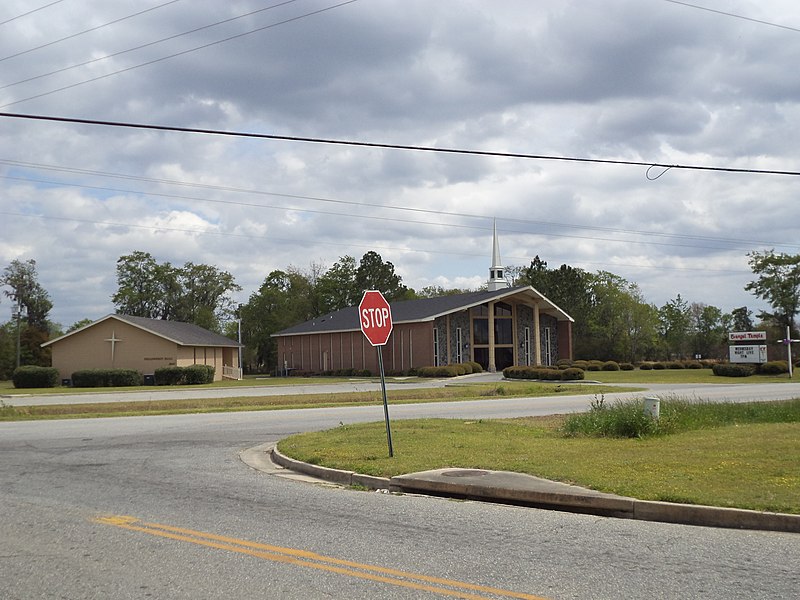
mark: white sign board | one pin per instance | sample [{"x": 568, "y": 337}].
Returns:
[
  {"x": 747, "y": 336},
  {"x": 748, "y": 354}
]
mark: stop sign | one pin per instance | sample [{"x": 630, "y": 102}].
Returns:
[{"x": 375, "y": 317}]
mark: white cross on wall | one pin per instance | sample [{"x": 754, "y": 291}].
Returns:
[{"x": 113, "y": 339}]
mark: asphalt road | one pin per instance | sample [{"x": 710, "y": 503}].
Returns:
[{"x": 162, "y": 507}]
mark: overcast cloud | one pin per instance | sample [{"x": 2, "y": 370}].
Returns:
[{"x": 635, "y": 80}]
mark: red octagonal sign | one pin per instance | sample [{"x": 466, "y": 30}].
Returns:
[{"x": 376, "y": 317}]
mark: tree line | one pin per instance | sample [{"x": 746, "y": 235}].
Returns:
[{"x": 613, "y": 320}]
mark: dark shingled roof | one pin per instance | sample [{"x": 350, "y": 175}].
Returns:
[
  {"x": 424, "y": 309},
  {"x": 183, "y": 334}
]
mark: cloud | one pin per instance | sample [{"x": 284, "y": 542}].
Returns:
[{"x": 641, "y": 81}]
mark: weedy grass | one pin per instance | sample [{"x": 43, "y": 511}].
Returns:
[{"x": 743, "y": 456}]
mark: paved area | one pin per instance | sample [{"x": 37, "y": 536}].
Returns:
[{"x": 523, "y": 490}]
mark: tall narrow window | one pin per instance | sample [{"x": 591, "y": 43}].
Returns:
[
  {"x": 526, "y": 348},
  {"x": 459, "y": 346},
  {"x": 436, "y": 361},
  {"x": 548, "y": 358}
]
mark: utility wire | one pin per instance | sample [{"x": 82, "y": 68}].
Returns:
[
  {"x": 30, "y": 12},
  {"x": 142, "y": 46},
  {"x": 85, "y": 31},
  {"x": 734, "y": 15},
  {"x": 362, "y": 205},
  {"x": 317, "y": 241},
  {"x": 352, "y": 143},
  {"x": 182, "y": 53}
]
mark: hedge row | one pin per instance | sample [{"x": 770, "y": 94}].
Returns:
[
  {"x": 450, "y": 370},
  {"x": 544, "y": 373},
  {"x": 30, "y": 376},
  {"x": 106, "y": 378},
  {"x": 191, "y": 375},
  {"x": 733, "y": 370}
]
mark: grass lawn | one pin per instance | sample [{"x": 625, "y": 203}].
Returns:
[
  {"x": 484, "y": 391},
  {"x": 754, "y": 466}
]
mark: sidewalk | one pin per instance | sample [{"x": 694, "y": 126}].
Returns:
[{"x": 525, "y": 490}]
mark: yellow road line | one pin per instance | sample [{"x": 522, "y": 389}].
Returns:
[{"x": 313, "y": 560}]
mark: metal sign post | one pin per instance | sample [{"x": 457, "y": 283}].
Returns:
[
  {"x": 789, "y": 341},
  {"x": 375, "y": 316}
]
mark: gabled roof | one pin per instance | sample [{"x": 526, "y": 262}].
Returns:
[
  {"x": 424, "y": 309},
  {"x": 183, "y": 334}
]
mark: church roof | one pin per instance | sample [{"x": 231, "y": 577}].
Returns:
[
  {"x": 424, "y": 309},
  {"x": 183, "y": 334}
]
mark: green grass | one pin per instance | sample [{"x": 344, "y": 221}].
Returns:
[
  {"x": 412, "y": 395},
  {"x": 750, "y": 464},
  {"x": 681, "y": 376}
]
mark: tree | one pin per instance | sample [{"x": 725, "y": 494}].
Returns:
[
  {"x": 194, "y": 293},
  {"x": 280, "y": 302},
  {"x": 375, "y": 274},
  {"x": 27, "y": 294},
  {"x": 337, "y": 286},
  {"x": 675, "y": 321},
  {"x": 709, "y": 328},
  {"x": 742, "y": 319},
  {"x": 778, "y": 283}
]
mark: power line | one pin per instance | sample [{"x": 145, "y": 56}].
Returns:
[
  {"x": 85, "y": 31},
  {"x": 142, "y": 46},
  {"x": 295, "y": 240},
  {"x": 182, "y": 53},
  {"x": 730, "y": 244},
  {"x": 30, "y": 12},
  {"x": 385, "y": 146},
  {"x": 733, "y": 15}
]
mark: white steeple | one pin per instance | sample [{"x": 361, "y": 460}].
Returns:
[{"x": 496, "y": 279}]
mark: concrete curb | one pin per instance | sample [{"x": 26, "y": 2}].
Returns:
[
  {"x": 525, "y": 490},
  {"x": 332, "y": 475}
]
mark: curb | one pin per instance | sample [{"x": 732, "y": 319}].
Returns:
[{"x": 534, "y": 492}]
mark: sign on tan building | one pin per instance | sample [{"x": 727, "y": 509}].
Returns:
[{"x": 144, "y": 345}]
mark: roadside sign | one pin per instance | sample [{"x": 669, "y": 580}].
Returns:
[
  {"x": 747, "y": 336},
  {"x": 375, "y": 316},
  {"x": 748, "y": 354}
]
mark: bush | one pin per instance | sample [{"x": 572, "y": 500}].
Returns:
[
  {"x": 443, "y": 371},
  {"x": 168, "y": 375},
  {"x": 580, "y": 364},
  {"x": 694, "y": 364},
  {"x": 563, "y": 363},
  {"x": 476, "y": 367},
  {"x": 626, "y": 366},
  {"x": 572, "y": 374},
  {"x": 198, "y": 374},
  {"x": 106, "y": 378},
  {"x": 675, "y": 364},
  {"x": 733, "y": 370},
  {"x": 594, "y": 365},
  {"x": 30, "y": 376},
  {"x": 646, "y": 366},
  {"x": 659, "y": 366},
  {"x": 774, "y": 367},
  {"x": 610, "y": 365}
]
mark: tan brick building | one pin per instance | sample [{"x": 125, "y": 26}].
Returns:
[{"x": 125, "y": 342}]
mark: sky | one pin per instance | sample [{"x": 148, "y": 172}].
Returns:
[{"x": 703, "y": 84}]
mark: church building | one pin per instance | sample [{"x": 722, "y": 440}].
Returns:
[{"x": 497, "y": 327}]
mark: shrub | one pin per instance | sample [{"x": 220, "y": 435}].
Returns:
[
  {"x": 467, "y": 368},
  {"x": 694, "y": 364},
  {"x": 626, "y": 366},
  {"x": 610, "y": 365},
  {"x": 443, "y": 371},
  {"x": 646, "y": 366},
  {"x": 563, "y": 362},
  {"x": 733, "y": 370},
  {"x": 580, "y": 364},
  {"x": 774, "y": 367},
  {"x": 594, "y": 365},
  {"x": 659, "y": 366},
  {"x": 572, "y": 374},
  {"x": 106, "y": 378},
  {"x": 168, "y": 375},
  {"x": 198, "y": 374},
  {"x": 675, "y": 364},
  {"x": 476, "y": 367},
  {"x": 30, "y": 376}
]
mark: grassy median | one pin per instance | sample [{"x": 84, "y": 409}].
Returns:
[{"x": 742, "y": 463}]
